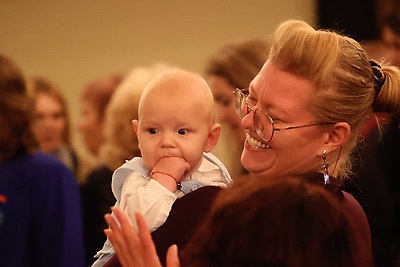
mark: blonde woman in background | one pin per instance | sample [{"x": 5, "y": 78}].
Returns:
[{"x": 120, "y": 144}]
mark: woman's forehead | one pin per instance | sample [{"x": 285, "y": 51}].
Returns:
[{"x": 280, "y": 90}]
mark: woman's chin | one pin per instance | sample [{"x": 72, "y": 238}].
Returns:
[{"x": 257, "y": 163}]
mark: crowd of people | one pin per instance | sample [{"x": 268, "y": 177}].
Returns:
[{"x": 316, "y": 114}]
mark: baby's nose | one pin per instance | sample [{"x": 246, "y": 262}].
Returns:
[{"x": 168, "y": 140}]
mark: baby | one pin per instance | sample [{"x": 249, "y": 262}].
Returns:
[{"x": 176, "y": 130}]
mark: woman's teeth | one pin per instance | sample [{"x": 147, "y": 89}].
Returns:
[{"x": 257, "y": 144}]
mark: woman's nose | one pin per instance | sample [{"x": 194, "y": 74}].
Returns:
[{"x": 247, "y": 120}]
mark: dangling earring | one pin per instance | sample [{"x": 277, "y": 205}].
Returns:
[{"x": 325, "y": 167}]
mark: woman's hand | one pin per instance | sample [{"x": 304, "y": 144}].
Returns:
[{"x": 135, "y": 249}]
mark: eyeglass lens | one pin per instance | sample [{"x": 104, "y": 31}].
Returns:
[
  {"x": 263, "y": 125},
  {"x": 262, "y": 122}
]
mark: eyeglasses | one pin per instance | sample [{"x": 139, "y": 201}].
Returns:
[{"x": 262, "y": 121}]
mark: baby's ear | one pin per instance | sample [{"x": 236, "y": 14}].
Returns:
[
  {"x": 213, "y": 137},
  {"x": 135, "y": 125}
]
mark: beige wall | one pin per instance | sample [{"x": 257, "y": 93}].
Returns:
[{"x": 73, "y": 42}]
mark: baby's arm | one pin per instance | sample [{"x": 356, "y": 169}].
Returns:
[{"x": 153, "y": 198}]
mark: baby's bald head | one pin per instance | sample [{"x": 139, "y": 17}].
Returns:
[{"x": 180, "y": 87}]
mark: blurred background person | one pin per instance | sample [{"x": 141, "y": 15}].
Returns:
[
  {"x": 387, "y": 47},
  {"x": 52, "y": 124},
  {"x": 94, "y": 99},
  {"x": 372, "y": 181},
  {"x": 233, "y": 66},
  {"x": 120, "y": 144},
  {"x": 40, "y": 219}
]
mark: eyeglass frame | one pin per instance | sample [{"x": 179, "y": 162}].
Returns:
[{"x": 239, "y": 93}]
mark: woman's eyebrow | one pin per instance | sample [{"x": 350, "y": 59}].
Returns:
[
  {"x": 272, "y": 109},
  {"x": 250, "y": 89}
]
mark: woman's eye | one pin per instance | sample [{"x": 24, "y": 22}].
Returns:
[
  {"x": 182, "y": 131},
  {"x": 251, "y": 101},
  {"x": 152, "y": 131},
  {"x": 276, "y": 120}
]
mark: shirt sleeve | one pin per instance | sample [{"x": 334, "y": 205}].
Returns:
[{"x": 148, "y": 197}]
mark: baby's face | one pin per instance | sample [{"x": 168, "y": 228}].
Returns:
[{"x": 173, "y": 123}]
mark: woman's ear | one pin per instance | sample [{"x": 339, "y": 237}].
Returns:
[
  {"x": 337, "y": 136},
  {"x": 213, "y": 137}
]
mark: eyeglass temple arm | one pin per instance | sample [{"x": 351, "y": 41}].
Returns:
[{"x": 302, "y": 126}]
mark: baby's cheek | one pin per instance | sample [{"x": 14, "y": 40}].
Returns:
[
  {"x": 195, "y": 163},
  {"x": 149, "y": 163}
]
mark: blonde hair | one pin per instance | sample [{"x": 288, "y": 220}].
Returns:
[
  {"x": 341, "y": 73},
  {"x": 120, "y": 140}
]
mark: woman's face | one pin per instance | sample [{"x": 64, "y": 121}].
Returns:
[
  {"x": 49, "y": 124},
  {"x": 225, "y": 105},
  {"x": 392, "y": 45},
  {"x": 285, "y": 97},
  {"x": 91, "y": 127}
]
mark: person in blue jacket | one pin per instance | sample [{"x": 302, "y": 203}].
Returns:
[{"x": 40, "y": 216}]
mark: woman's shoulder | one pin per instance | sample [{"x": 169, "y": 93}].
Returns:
[
  {"x": 357, "y": 215},
  {"x": 43, "y": 167},
  {"x": 351, "y": 204},
  {"x": 43, "y": 162}
]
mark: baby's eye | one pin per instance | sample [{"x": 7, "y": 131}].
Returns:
[
  {"x": 182, "y": 131},
  {"x": 152, "y": 131},
  {"x": 224, "y": 102}
]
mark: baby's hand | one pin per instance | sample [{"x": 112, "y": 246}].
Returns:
[{"x": 177, "y": 167}]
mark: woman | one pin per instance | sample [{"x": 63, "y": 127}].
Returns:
[
  {"x": 95, "y": 98},
  {"x": 303, "y": 111},
  {"x": 51, "y": 125},
  {"x": 233, "y": 66},
  {"x": 40, "y": 216}
]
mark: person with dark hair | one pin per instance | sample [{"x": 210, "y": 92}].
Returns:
[
  {"x": 391, "y": 37},
  {"x": 40, "y": 219},
  {"x": 387, "y": 47},
  {"x": 291, "y": 222}
]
